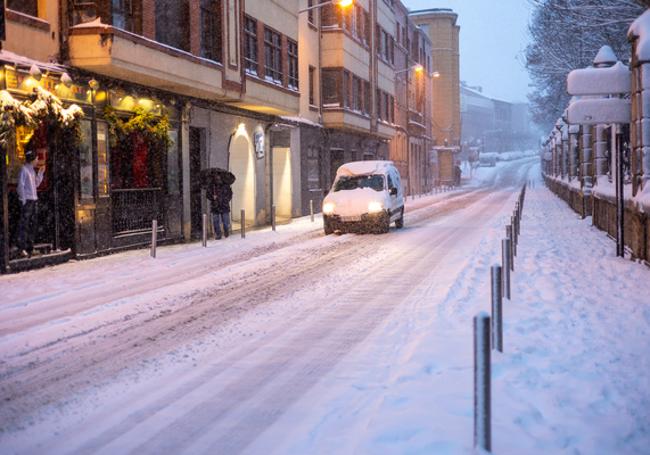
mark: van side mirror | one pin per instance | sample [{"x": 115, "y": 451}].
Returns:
[{"x": 393, "y": 191}]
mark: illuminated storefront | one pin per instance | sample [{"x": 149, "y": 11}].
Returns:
[{"x": 106, "y": 179}]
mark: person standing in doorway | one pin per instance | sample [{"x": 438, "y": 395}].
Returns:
[
  {"x": 220, "y": 196},
  {"x": 29, "y": 179}
]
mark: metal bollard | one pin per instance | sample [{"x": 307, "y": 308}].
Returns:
[
  {"x": 513, "y": 230},
  {"x": 154, "y": 237},
  {"x": 505, "y": 269},
  {"x": 311, "y": 209},
  {"x": 512, "y": 253},
  {"x": 273, "y": 217},
  {"x": 205, "y": 230},
  {"x": 242, "y": 221},
  {"x": 482, "y": 387},
  {"x": 497, "y": 308}
]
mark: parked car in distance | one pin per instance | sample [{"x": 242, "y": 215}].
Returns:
[
  {"x": 366, "y": 196},
  {"x": 488, "y": 159}
]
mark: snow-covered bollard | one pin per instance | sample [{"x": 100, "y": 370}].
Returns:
[
  {"x": 482, "y": 387},
  {"x": 154, "y": 237},
  {"x": 505, "y": 267},
  {"x": 497, "y": 308},
  {"x": 205, "y": 230},
  {"x": 513, "y": 234},
  {"x": 311, "y": 210},
  {"x": 273, "y": 217},
  {"x": 242, "y": 222}
]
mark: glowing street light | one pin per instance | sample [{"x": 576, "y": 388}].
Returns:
[
  {"x": 417, "y": 68},
  {"x": 340, "y": 3}
]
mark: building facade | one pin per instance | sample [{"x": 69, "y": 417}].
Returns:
[{"x": 276, "y": 92}]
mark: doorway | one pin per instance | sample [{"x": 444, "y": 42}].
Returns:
[
  {"x": 241, "y": 165},
  {"x": 282, "y": 183},
  {"x": 197, "y": 141}
]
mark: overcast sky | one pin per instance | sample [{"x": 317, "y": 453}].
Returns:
[{"x": 493, "y": 35}]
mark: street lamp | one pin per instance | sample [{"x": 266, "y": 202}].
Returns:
[
  {"x": 340, "y": 3},
  {"x": 417, "y": 68}
]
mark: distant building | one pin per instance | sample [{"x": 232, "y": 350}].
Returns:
[{"x": 496, "y": 125}]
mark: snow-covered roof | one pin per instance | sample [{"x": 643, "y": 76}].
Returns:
[
  {"x": 640, "y": 29},
  {"x": 364, "y": 167},
  {"x": 10, "y": 57},
  {"x": 301, "y": 120}
]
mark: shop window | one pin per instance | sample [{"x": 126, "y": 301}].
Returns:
[
  {"x": 86, "y": 187},
  {"x": 173, "y": 23},
  {"x": 250, "y": 45},
  {"x": 29, "y": 7},
  {"x": 127, "y": 15},
  {"x": 102, "y": 159},
  {"x": 211, "y": 23},
  {"x": 173, "y": 169},
  {"x": 135, "y": 165},
  {"x": 292, "y": 54},
  {"x": 272, "y": 56},
  {"x": 313, "y": 169},
  {"x": 331, "y": 87}
]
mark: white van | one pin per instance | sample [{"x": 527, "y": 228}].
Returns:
[{"x": 366, "y": 196}]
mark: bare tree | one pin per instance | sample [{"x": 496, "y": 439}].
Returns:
[{"x": 565, "y": 35}]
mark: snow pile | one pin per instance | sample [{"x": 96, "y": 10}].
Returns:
[{"x": 640, "y": 29}]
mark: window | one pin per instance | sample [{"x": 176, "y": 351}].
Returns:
[
  {"x": 127, "y": 15},
  {"x": 173, "y": 23},
  {"x": 250, "y": 45},
  {"x": 211, "y": 41},
  {"x": 331, "y": 88},
  {"x": 357, "y": 90},
  {"x": 292, "y": 55},
  {"x": 312, "y": 75},
  {"x": 86, "y": 161},
  {"x": 24, "y": 6},
  {"x": 310, "y": 13},
  {"x": 102, "y": 159},
  {"x": 346, "y": 88},
  {"x": 173, "y": 168},
  {"x": 366, "y": 97},
  {"x": 272, "y": 56},
  {"x": 330, "y": 15}
]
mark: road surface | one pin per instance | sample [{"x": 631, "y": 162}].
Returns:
[{"x": 208, "y": 354}]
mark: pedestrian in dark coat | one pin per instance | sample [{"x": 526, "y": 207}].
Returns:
[{"x": 220, "y": 196}]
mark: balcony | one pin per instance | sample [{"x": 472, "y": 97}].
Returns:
[{"x": 110, "y": 51}]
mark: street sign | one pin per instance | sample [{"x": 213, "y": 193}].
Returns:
[
  {"x": 599, "y": 81},
  {"x": 595, "y": 111}
]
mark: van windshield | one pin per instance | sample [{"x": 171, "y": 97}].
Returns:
[{"x": 374, "y": 181}]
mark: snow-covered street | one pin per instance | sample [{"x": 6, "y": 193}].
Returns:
[{"x": 297, "y": 342}]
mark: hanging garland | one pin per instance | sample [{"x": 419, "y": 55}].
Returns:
[
  {"x": 153, "y": 129},
  {"x": 44, "y": 109}
]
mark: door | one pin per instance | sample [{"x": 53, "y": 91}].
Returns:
[
  {"x": 196, "y": 152},
  {"x": 282, "y": 183}
]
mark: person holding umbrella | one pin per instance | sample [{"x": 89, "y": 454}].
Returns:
[{"x": 220, "y": 194}]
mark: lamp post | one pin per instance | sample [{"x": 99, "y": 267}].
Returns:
[{"x": 340, "y": 3}]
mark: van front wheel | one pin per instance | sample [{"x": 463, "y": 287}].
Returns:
[{"x": 399, "y": 222}]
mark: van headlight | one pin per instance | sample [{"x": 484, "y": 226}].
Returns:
[
  {"x": 328, "y": 208},
  {"x": 375, "y": 207}
]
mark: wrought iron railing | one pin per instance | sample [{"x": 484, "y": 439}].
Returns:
[{"x": 134, "y": 209}]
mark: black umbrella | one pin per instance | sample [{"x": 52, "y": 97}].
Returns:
[{"x": 216, "y": 175}]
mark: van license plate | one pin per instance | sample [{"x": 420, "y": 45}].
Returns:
[{"x": 348, "y": 219}]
